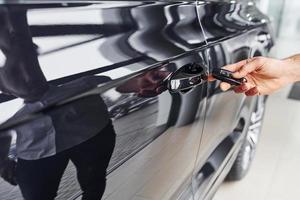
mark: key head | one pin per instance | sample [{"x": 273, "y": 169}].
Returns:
[{"x": 227, "y": 76}]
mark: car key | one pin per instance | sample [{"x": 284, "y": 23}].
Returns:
[{"x": 226, "y": 76}]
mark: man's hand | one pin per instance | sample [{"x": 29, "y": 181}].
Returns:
[{"x": 264, "y": 75}]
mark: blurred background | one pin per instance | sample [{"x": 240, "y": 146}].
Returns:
[{"x": 274, "y": 171}]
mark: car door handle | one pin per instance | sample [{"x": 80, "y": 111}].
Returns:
[{"x": 187, "y": 77}]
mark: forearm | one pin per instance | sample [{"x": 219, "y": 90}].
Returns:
[{"x": 293, "y": 67}]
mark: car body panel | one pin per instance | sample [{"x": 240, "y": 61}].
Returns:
[
  {"x": 232, "y": 31},
  {"x": 163, "y": 139},
  {"x": 128, "y": 44}
]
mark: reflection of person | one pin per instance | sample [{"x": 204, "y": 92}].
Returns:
[
  {"x": 7, "y": 164},
  {"x": 264, "y": 75},
  {"x": 149, "y": 84},
  {"x": 39, "y": 179},
  {"x": 80, "y": 130}
]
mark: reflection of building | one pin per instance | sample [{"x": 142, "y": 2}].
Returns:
[
  {"x": 284, "y": 15},
  {"x": 274, "y": 9},
  {"x": 285, "y": 19}
]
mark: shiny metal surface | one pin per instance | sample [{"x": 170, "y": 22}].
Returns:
[
  {"x": 187, "y": 77},
  {"x": 121, "y": 53},
  {"x": 132, "y": 46}
]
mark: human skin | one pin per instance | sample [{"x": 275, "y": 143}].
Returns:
[{"x": 264, "y": 75}]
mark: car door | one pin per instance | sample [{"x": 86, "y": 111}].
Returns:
[
  {"x": 135, "y": 48},
  {"x": 231, "y": 35}
]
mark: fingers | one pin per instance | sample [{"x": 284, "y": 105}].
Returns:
[
  {"x": 232, "y": 67},
  {"x": 244, "y": 67},
  {"x": 236, "y": 66},
  {"x": 225, "y": 86},
  {"x": 249, "y": 67},
  {"x": 246, "y": 88},
  {"x": 241, "y": 89},
  {"x": 252, "y": 92},
  {"x": 240, "y": 70}
]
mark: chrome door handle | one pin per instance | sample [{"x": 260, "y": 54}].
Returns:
[{"x": 187, "y": 77}]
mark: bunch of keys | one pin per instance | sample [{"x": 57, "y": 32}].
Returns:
[{"x": 226, "y": 76}]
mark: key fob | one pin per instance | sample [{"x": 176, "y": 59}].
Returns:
[{"x": 226, "y": 76}]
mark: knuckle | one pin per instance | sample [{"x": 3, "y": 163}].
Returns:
[
  {"x": 245, "y": 69},
  {"x": 260, "y": 60}
]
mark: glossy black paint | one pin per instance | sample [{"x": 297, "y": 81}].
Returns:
[{"x": 134, "y": 46}]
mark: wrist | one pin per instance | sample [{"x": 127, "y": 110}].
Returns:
[{"x": 292, "y": 68}]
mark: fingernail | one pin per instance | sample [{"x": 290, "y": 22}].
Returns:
[{"x": 244, "y": 87}]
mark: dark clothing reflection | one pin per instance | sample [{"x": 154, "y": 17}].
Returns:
[
  {"x": 56, "y": 128},
  {"x": 39, "y": 179},
  {"x": 61, "y": 130}
]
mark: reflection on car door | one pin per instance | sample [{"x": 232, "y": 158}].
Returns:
[
  {"x": 135, "y": 46},
  {"x": 157, "y": 135}
]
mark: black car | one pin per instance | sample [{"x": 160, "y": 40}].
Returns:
[{"x": 109, "y": 99}]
